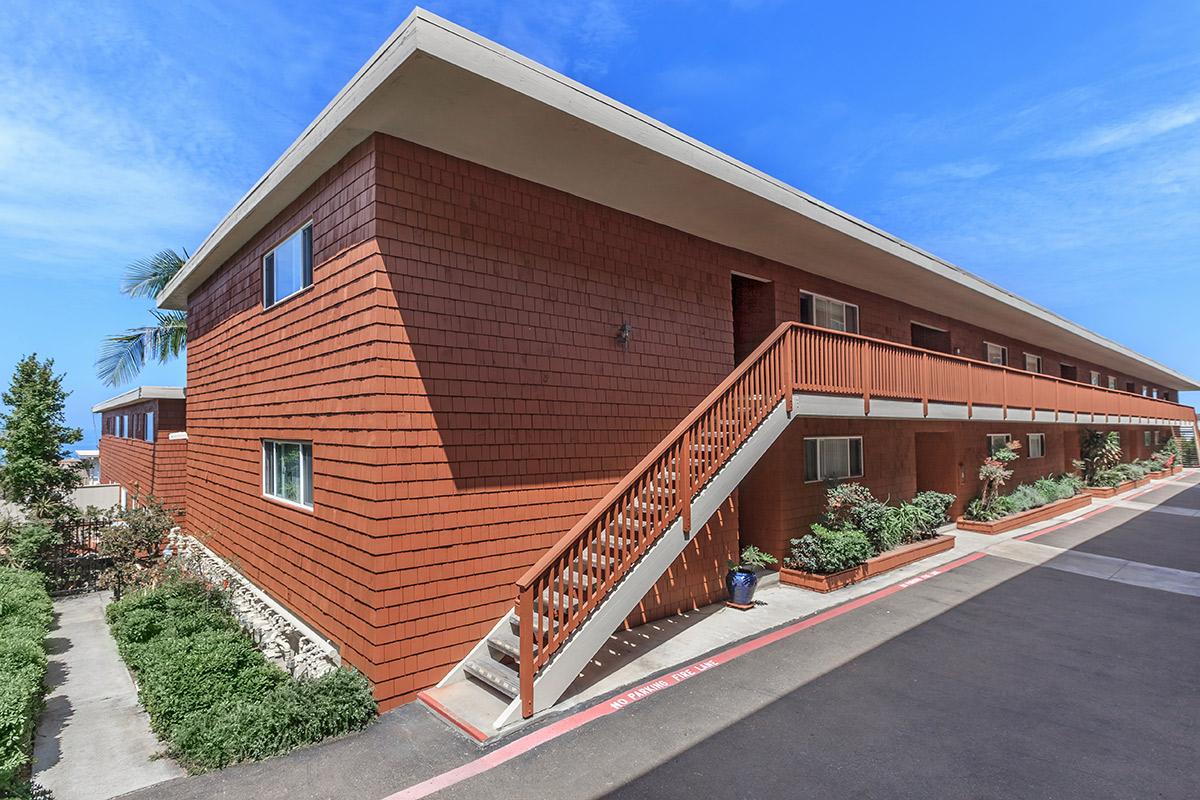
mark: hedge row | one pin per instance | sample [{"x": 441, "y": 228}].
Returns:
[
  {"x": 212, "y": 697},
  {"x": 25, "y": 616}
]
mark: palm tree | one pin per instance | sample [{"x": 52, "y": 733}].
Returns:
[{"x": 123, "y": 356}]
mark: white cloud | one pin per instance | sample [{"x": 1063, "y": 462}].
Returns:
[{"x": 1129, "y": 133}]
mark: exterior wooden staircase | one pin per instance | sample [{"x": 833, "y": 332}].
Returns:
[{"x": 569, "y": 603}]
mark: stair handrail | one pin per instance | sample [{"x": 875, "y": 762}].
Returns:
[{"x": 768, "y": 385}]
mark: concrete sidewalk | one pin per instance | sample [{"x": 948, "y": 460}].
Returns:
[{"x": 93, "y": 741}]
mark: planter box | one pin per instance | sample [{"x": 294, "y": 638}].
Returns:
[
  {"x": 877, "y": 565},
  {"x": 1175, "y": 470},
  {"x": 1025, "y": 517},
  {"x": 1109, "y": 491},
  {"x": 1162, "y": 473}
]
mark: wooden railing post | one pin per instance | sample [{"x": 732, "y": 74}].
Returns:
[
  {"x": 925, "y": 381},
  {"x": 789, "y": 368},
  {"x": 864, "y": 370},
  {"x": 683, "y": 474},
  {"x": 970, "y": 395},
  {"x": 525, "y": 615}
]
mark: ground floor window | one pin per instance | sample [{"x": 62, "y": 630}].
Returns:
[
  {"x": 287, "y": 471},
  {"x": 833, "y": 457},
  {"x": 996, "y": 441},
  {"x": 1146, "y": 438},
  {"x": 1037, "y": 445}
]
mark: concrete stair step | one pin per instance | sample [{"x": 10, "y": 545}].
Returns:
[
  {"x": 507, "y": 643},
  {"x": 499, "y": 676}
]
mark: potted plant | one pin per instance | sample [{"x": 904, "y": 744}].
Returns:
[{"x": 742, "y": 578}]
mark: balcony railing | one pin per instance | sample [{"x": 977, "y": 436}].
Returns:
[{"x": 831, "y": 362}]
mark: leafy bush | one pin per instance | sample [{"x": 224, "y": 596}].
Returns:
[
  {"x": 29, "y": 544},
  {"x": 25, "y": 616},
  {"x": 132, "y": 543},
  {"x": 842, "y": 502},
  {"x": 1108, "y": 478},
  {"x": 933, "y": 507},
  {"x": 1025, "y": 497},
  {"x": 1100, "y": 451},
  {"x": 826, "y": 551},
  {"x": 211, "y": 695}
]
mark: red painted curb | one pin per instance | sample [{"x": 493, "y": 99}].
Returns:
[
  {"x": 628, "y": 697},
  {"x": 441, "y": 710}
]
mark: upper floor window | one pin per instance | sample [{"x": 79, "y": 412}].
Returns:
[
  {"x": 1154, "y": 393},
  {"x": 149, "y": 426},
  {"x": 1033, "y": 363},
  {"x": 1095, "y": 378},
  {"x": 995, "y": 354},
  {"x": 825, "y": 312},
  {"x": 287, "y": 471},
  {"x": 1145, "y": 392},
  {"x": 1112, "y": 381},
  {"x": 833, "y": 457},
  {"x": 288, "y": 268},
  {"x": 998, "y": 441}
]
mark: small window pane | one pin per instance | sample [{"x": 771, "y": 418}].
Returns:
[
  {"x": 835, "y": 458},
  {"x": 810, "y": 460},
  {"x": 806, "y": 308},
  {"x": 287, "y": 471},
  {"x": 1037, "y": 445},
  {"x": 856, "y": 465},
  {"x": 149, "y": 426},
  {"x": 288, "y": 268},
  {"x": 852, "y": 319}
]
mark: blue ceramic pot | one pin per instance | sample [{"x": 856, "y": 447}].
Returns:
[{"x": 741, "y": 585}]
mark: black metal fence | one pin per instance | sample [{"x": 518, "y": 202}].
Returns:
[{"x": 74, "y": 566}]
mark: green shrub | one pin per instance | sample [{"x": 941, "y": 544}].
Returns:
[
  {"x": 1025, "y": 497},
  {"x": 843, "y": 502},
  {"x": 1108, "y": 478},
  {"x": 933, "y": 507},
  {"x": 293, "y": 714},
  {"x": 210, "y": 694},
  {"x": 30, "y": 544},
  {"x": 825, "y": 551},
  {"x": 879, "y": 524},
  {"x": 25, "y": 616}
]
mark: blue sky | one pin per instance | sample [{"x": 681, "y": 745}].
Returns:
[{"x": 1052, "y": 148}]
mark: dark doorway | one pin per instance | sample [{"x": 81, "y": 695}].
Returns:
[
  {"x": 753, "y": 314},
  {"x": 937, "y": 463},
  {"x": 1129, "y": 387},
  {"x": 1068, "y": 372},
  {"x": 929, "y": 338}
]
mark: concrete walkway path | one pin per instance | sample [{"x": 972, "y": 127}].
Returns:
[{"x": 93, "y": 741}]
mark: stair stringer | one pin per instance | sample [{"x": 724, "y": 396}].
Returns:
[{"x": 557, "y": 675}]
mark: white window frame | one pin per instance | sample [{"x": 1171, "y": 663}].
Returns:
[
  {"x": 1007, "y": 437},
  {"x": 306, "y": 278},
  {"x": 987, "y": 353},
  {"x": 1157, "y": 438},
  {"x": 815, "y": 297},
  {"x": 1146, "y": 438},
  {"x": 1095, "y": 377},
  {"x": 1145, "y": 391},
  {"x": 305, "y": 486},
  {"x": 1112, "y": 381},
  {"x": 149, "y": 432},
  {"x": 1040, "y": 438},
  {"x": 849, "y": 459},
  {"x": 1037, "y": 361}
]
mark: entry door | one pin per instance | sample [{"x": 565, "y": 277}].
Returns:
[
  {"x": 753, "y": 314},
  {"x": 937, "y": 463}
]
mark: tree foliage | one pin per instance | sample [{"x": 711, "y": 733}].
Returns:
[
  {"x": 35, "y": 436},
  {"x": 123, "y": 355}
]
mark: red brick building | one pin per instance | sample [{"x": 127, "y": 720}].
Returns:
[
  {"x": 143, "y": 444},
  {"x": 455, "y": 328}
]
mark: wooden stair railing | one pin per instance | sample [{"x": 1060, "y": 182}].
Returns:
[{"x": 556, "y": 595}]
